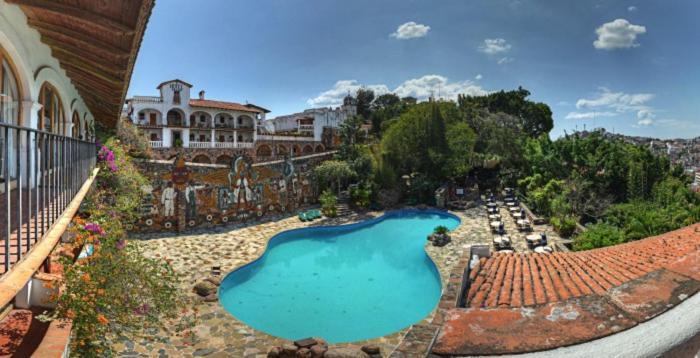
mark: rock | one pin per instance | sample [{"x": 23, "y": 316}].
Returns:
[
  {"x": 317, "y": 351},
  {"x": 321, "y": 342},
  {"x": 216, "y": 281},
  {"x": 345, "y": 353},
  {"x": 274, "y": 352},
  {"x": 203, "y": 352},
  {"x": 211, "y": 298},
  {"x": 371, "y": 349},
  {"x": 305, "y": 343},
  {"x": 205, "y": 288},
  {"x": 288, "y": 351},
  {"x": 304, "y": 353}
]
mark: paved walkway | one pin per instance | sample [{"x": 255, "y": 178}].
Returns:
[{"x": 218, "y": 334}]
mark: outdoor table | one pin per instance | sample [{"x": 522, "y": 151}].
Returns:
[
  {"x": 514, "y": 209},
  {"x": 517, "y": 214},
  {"x": 522, "y": 222},
  {"x": 508, "y": 199},
  {"x": 491, "y": 205},
  {"x": 510, "y": 203},
  {"x": 492, "y": 210},
  {"x": 533, "y": 239},
  {"x": 543, "y": 249},
  {"x": 495, "y": 217},
  {"x": 495, "y": 225}
]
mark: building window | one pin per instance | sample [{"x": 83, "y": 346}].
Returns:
[
  {"x": 9, "y": 92},
  {"x": 75, "y": 131},
  {"x": 142, "y": 116},
  {"x": 51, "y": 112}
]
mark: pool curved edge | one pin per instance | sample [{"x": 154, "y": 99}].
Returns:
[{"x": 359, "y": 224}]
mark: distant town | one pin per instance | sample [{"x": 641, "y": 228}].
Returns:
[{"x": 683, "y": 152}]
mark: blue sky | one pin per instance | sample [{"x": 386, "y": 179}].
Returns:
[{"x": 631, "y": 66}]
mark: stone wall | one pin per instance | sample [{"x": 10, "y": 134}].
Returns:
[
  {"x": 263, "y": 151},
  {"x": 185, "y": 195}
]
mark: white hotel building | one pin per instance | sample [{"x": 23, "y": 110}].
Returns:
[{"x": 174, "y": 119}]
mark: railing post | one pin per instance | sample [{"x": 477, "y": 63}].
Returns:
[
  {"x": 18, "y": 170},
  {"x": 8, "y": 217}
]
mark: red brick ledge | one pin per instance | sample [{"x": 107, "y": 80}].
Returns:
[{"x": 518, "y": 303}]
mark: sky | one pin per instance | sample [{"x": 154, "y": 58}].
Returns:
[{"x": 628, "y": 66}]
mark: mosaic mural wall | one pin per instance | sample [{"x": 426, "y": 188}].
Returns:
[{"x": 185, "y": 195}]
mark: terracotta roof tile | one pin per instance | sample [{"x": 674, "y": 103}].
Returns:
[
  {"x": 570, "y": 297},
  {"x": 231, "y": 106}
]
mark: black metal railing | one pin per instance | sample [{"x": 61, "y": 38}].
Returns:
[{"x": 40, "y": 173}]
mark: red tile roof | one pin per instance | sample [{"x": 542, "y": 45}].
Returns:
[
  {"x": 230, "y": 106},
  {"x": 566, "y": 297}
]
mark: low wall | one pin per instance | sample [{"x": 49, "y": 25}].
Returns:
[{"x": 186, "y": 195}]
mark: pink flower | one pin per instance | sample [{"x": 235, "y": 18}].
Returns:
[
  {"x": 121, "y": 244},
  {"x": 94, "y": 227}
]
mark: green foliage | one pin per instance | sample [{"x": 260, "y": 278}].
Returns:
[
  {"x": 598, "y": 235},
  {"x": 328, "y": 202},
  {"x": 636, "y": 182},
  {"x": 333, "y": 174},
  {"x": 441, "y": 230},
  {"x": 364, "y": 98},
  {"x": 361, "y": 195},
  {"x": 564, "y": 225}
]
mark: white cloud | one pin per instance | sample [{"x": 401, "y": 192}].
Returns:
[
  {"x": 632, "y": 8},
  {"x": 421, "y": 88},
  {"x": 437, "y": 85},
  {"x": 504, "y": 60},
  {"x": 335, "y": 95},
  {"x": 618, "y": 34},
  {"x": 410, "y": 30},
  {"x": 619, "y": 103},
  {"x": 478, "y": 77},
  {"x": 495, "y": 46},
  {"x": 589, "y": 115}
]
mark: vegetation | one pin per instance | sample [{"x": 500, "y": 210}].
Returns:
[
  {"x": 441, "y": 230},
  {"x": 328, "y": 203},
  {"x": 116, "y": 291},
  {"x": 622, "y": 192}
]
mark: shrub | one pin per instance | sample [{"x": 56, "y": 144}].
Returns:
[
  {"x": 328, "y": 202},
  {"x": 564, "y": 225},
  {"x": 598, "y": 235},
  {"x": 116, "y": 291},
  {"x": 441, "y": 230},
  {"x": 361, "y": 195}
]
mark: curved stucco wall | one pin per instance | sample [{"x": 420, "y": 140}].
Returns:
[{"x": 34, "y": 65}]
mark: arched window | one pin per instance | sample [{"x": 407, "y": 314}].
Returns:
[
  {"x": 75, "y": 131},
  {"x": 9, "y": 92},
  {"x": 319, "y": 149},
  {"x": 51, "y": 112},
  {"x": 308, "y": 149},
  {"x": 264, "y": 151},
  {"x": 224, "y": 159},
  {"x": 9, "y": 113},
  {"x": 175, "y": 118},
  {"x": 202, "y": 159}
]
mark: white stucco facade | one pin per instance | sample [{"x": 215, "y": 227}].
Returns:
[
  {"x": 175, "y": 119},
  {"x": 34, "y": 66},
  {"x": 312, "y": 121}
]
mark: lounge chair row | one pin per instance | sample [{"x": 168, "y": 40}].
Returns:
[{"x": 309, "y": 215}]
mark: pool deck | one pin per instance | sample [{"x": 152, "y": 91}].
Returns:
[{"x": 217, "y": 333}]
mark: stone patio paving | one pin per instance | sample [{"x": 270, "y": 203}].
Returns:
[{"x": 217, "y": 333}]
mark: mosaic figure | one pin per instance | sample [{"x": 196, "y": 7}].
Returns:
[
  {"x": 191, "y": 199},
  {"x": 168, "y": 200}
]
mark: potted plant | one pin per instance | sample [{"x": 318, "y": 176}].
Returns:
[{"x": 440, "y": 236}]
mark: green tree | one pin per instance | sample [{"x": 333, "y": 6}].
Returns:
[
  {"x": 364, "y": 98},
  {"x": 333, "y": 174}
]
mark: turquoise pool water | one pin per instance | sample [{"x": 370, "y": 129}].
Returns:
[{"x": 342, "y": 283}]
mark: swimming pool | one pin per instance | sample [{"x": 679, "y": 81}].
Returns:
[{"x": 342, "y": 283}]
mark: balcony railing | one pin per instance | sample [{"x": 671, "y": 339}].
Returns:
[
  {"x": 155, "y": 143},
  {"x": 40, "y": 173},
  {"x": 286, "y": 137},
  {"x": 146, "y": 99},
  {"x": 220, "y": 145}
]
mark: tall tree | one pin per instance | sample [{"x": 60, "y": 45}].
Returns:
[{"x": 364, "y": 97}]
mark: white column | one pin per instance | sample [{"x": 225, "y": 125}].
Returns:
[
  {"x": 213, "y": 139},
  {"x": 235, "y": 138}
]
